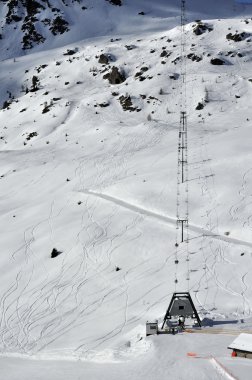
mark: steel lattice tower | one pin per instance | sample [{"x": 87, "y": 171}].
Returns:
[{"x": 182, "y": 179}]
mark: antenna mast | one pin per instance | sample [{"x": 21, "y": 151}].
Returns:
[
  {"x": 182, "y": 180},
  {"x": 181, "y": 304}
]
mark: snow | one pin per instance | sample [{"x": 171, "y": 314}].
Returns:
[
  {"x": 165, "y": 357},
  {"x": 110, "y": 20},
  {"x": 99, "y": 184},
  {"x": 238, "y": 368},
  {"x": 242, "y": 342}
]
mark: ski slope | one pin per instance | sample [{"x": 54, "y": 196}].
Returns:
[{"x": 99, "y": 184}]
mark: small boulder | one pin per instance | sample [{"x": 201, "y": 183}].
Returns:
[
  {"x": 175, "y": 76},
  {"x": 217, "y": 61},
  {"x": 31, "y": 135},
  {"x": 130, "y": 47},
  {"x": 71, "y": 51},
  {"x": 103, "y": 105},
  {"x": 103, "y": 59},
  {"x": 165, "y": 54},
  {"x": 201, "y": 28},
  {"x": 126, "y": 103},
  {"x": 194, "y": 57},
  {"x": 200, "y": 106},
  {"x": 115, "y": 2},
  {"x": 115, "y": 76},
  {"x": 237, "y": 37},
  {"x": 55, "y": 253}
]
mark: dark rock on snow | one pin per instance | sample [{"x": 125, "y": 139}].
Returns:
[
  {"x": 217, "y": 61},
  {"x": 194, "y": 57},
  {"x": 237, "y": 37},
  {"x": 115, "y": 2},
  {"x": 115, "y": 76},
  {"x": 126, "y": 103},
  {"x": 59, "y": 26},
  {"x": 200, "y": 106},
  {"x": 103, "y": 59},
  {"x": 201, "y": 28},
  {"x": 55, "y": 253}
]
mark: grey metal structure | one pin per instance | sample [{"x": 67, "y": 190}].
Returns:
[
  {"x": 181, "y": 305},
  {"x": 151, "y": 328},
  {"x": 182, "y": 167}
]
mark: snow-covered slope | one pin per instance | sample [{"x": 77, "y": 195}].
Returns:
[
  {"x": 89, "y": 168},
  {"x": 44, "y": 24}
]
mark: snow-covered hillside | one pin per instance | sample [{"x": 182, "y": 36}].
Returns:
[
  {"x": 38, "y": 25},
  {"x": 88, "y": 150}
]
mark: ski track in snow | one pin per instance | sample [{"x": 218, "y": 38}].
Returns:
[
  {"x": 216, "y": 251},
  {"x": 168, "y": 220}
]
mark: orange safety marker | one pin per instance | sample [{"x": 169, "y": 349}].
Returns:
[{"x": 191, "y": 354}]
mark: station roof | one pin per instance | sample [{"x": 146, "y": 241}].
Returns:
[{"x": 243, "y": 343}]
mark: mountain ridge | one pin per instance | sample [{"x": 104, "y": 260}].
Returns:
[{"x": 43, "y": 24}]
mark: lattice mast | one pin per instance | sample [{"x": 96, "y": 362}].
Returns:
[
  {"x": 182, "y": 180},
  {"x": 181, "y": 304}
]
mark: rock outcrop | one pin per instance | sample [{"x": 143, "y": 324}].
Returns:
[{"x": 115, "y": 76}]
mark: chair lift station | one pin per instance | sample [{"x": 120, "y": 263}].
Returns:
[{"x": 181, "y": 306}]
